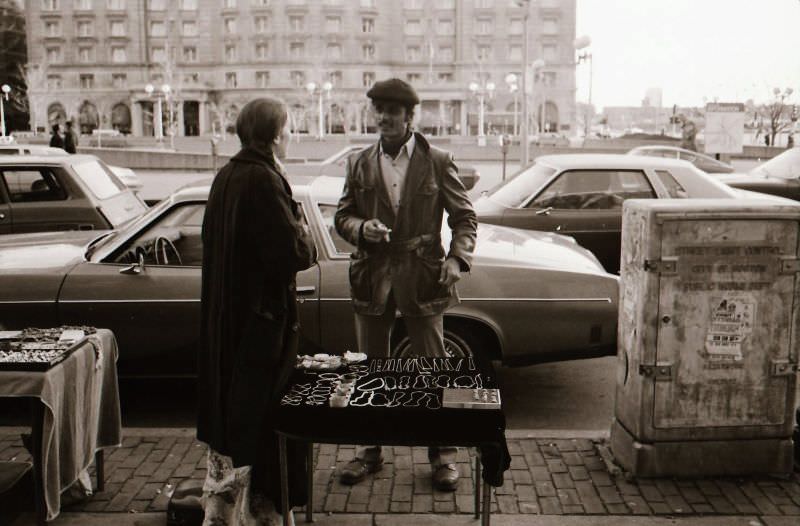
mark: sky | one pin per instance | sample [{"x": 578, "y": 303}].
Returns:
[{"x": 696, "y": 51}]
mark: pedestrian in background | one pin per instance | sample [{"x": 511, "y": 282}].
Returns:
[
  {"x": 56, "y": 141},
  {"x": 395, "y": 194},
  {"x": 70, "y": 139},
  {"x": 254, "y": 243}
]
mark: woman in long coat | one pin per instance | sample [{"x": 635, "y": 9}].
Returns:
[{"x": 253, "y": 245}]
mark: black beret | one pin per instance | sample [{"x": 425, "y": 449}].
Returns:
[{"x": 394, "y": 90}]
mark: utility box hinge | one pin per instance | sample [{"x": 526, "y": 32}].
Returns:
[
  {"x": 790, "y": 266},
  {"x": 662, "y": 371},
  {"x": 660, "y": 266},
  {"x": 783, "y": 368}
]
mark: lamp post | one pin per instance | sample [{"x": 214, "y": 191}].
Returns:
[
  {"x": 482, "y": 92},
  {"x": 158, "y": 123},
  {"x": 511, "y": 80},
  {"x": 166, "y": 89},
  {"x": 323, "y": 89},
  {"x": 525, "y": 4},
  {"x": 6, "y": 90},
  {"x": 581, "y": 43}
]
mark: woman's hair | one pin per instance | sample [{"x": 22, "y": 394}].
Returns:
[{"x": 261, "y": 121}]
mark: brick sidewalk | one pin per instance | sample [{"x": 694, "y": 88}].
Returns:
[{"x": 547, "y": 477}]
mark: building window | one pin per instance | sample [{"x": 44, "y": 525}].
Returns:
[
  {"x": 189, "y": 54},
  {"x": 549, "y": 52},
  {"x": 446, "y": 54},
  {"x": 261, "y": 3},
  {"x": 84, "y": 5},
  {"x": 333, "y": 2},
  {"x": 117, "y": 28},
  {"x": 157, "y": 29},
  {"x": 515, "y": 52},
  {"x": 119, "y": 54},
  {"x": 413, "y": 27},
  {"x": 445, "y": 27},
  {"x": 297, "y": 50},
  {"x": 54, "y": 55},
  {"x": 119, "y": 80},
  {"x": 189, "y": 5},
  {"x": 515, "y": 26},
  {"x": 118, "y": 5},
  {"x": 52, "y": 28},
  {"x": 262, "y": 24},
  {"x": 157, "y": 5},
  {"x": 446, "y": 4},
  {"x": 334, "y": 51},
  {"x": 367, "y": 3},
  {"x": 412, "y": 54},
  {"x": 85, "y": 28},
  {"x": 50, "y": 5},
  {"x": 484, "y": 4},
  {"x": 368, "y": 51},
  {"x": 413, "y": 4},
  {"x": 189, "y": 28},
  {"x": 483, "y": 26},
  {"x": 483, "y": 52},
  {"x": 298, "y": 79},
  {"x": 335, "y": 77},
  {"x": 367, "y": 25},
  {"x": 85, "y": 54},
  {"x": 231, "y": 81},
  {"x": 549, "y": 78},
  {"x": 158, "y": 54},
  {"x": 413, "y": 78},
  {"x": 296, "y": 23},
  {"x": 191, "y": 78},
  {"x": 333, "y": 24},
  {"x": 549, "y": 26},
  {"x": 445, "y": 77},
  {"x": 230, "y": 53},
  {"x": 368, "y": 79},
  {"x": 262, "y": 79},
  {"x": 262, "y": 51},
  {"x": 54, "y": 82},
  {"x": 157, "y": 78},
  {"x": 230, "y": 4},
  {"x": 87, "y": 81},
  {"x": 230, "y": 26}
]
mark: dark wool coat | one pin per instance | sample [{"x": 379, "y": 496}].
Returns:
[
  {"x": 253, "y": 245},
  {"x": 410, "y": 264}
]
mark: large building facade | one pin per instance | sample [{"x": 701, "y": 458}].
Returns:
[{"x": 92, "y": 60}]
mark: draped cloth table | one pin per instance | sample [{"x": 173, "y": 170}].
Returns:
[
  {"x": 76, "y": 413},
  {"x": 396, "y": 402}
]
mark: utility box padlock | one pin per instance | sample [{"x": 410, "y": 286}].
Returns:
[{"x": 707, "y": 337}]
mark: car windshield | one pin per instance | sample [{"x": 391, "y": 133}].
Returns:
[
  {"x": 785, "y": 165},
  {"x": 517, "y": 190},
  {"x": 102, "y": 183}
]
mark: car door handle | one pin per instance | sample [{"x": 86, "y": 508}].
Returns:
[{"x": 306, "y": 291}]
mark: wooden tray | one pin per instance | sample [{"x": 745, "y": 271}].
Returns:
[{"x": 43, "y": 365}]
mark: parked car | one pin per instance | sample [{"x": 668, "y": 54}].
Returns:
[
  {"x": 778, "y": 176},
  {"x": 126, "y": 175},
  {"x": 70, "y": 192},
  {"x": 335, "y": 166},
  {"x": 705, "y": 162},
  {"x": 581, "y": 195},
  {"x": 550, "y": 139},
  {"x": 530, "y": 296}
]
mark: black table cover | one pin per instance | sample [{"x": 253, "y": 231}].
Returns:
[{"x": 398, "y": 402}]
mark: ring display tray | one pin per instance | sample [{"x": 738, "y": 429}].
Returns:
[{"x": 37, "y": 350}]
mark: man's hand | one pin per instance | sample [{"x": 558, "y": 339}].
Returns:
[
  {"x": 450, "y": 273},
  {"x": 374, "y": 231}
]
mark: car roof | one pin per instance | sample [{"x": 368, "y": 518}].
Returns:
[
  {"x": 45, "y": 159},
  {"x": 609, "y": 161},
  {"x": 323, "y": 188}
]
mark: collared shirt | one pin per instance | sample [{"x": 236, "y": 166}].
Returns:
[{"x": 394, "y": 170}]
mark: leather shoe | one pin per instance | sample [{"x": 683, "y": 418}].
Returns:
[
  {"x": 357, "y": 469},
  {"x": 445, "y": 478}
]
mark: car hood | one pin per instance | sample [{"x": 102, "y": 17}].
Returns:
[
  {"x": 45, "y": 250},
  {"x": 484, "y": 205},
  {"x": 499, "y": 245}
]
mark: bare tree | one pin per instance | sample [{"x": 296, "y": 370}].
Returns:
[{"x": 777, "y": 113}]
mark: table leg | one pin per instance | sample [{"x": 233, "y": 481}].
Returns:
[
  {"x": 477, "y": 484},
  {"x": 100, "y": 469},
  {"x": 37, "y": 423},
  {"x": 310, "y": 465},
  {"x": 487, "y": 504},
  {"x": 287, "y": 520}
]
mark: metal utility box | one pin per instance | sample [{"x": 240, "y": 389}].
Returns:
[{"x": 707, "y": 337}]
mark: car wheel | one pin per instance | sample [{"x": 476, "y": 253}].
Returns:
[{"x": 455, "y": 345}]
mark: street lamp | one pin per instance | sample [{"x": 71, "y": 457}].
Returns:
[
  {"x": 158, "y": 124},
  {"x": 324, "y": 89},
  {"x": 511, "y": 80},
  {"x": 6, "y": 90},
  {"x": 482, "y": 92},
  {"x": 581, "y": 43}
]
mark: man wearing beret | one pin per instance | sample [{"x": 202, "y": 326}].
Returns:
[{"x": 391, "y": 210}]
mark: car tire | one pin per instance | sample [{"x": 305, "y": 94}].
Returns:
[{"x": 455, "y": 345}]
